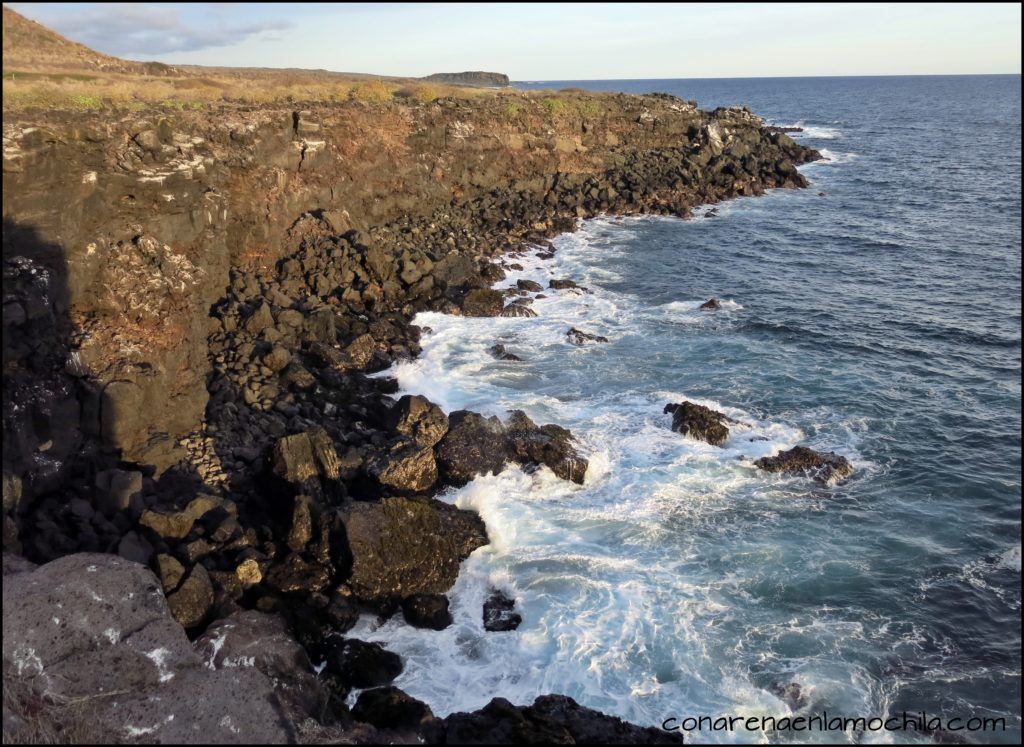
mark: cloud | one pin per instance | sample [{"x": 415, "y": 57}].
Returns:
[{"x": 144, "y": 30}]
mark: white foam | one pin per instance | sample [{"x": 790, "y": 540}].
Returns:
[{"x": 620, "y": 610}]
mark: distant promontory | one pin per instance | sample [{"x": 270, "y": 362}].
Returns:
[{"x": 471, "y": 78}]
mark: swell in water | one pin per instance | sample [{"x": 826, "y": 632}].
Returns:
[{"x": 678, "y": 580}]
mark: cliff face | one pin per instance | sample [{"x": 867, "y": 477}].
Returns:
[
  {"x": 140, "y": 220},
  {"x": 193, "y": 301},
  {"x": 471, "y": 78}
]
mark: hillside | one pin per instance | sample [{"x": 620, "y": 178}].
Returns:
[{"x": 31, "y": 47}]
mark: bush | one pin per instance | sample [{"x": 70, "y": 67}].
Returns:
[
  {"x": 553, "y": 106},
  {"x": 376, "y": 91}
]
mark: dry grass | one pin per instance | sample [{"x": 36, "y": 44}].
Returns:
[
  {"x": 34, "y": 716},
  {"x": 28, "y": 89}
]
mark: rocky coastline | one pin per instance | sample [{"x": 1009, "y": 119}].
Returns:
[{"x": 199, "y": 467}]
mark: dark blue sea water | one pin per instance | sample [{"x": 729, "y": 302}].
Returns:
[{"x": 882, "y": 320}]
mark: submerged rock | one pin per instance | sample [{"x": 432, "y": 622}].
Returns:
[
  {"x": 500, "y": 614},
  {"x": 711, "y": 305},
  {"x": 827, "y": 468},
  {"x": 499, "y": 352},
  {"x": 579, "y": 337},
  {"x": 699, "y": 422}
]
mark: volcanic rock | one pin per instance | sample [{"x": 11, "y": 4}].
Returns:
[
  {"x": 404, "y": 546},
  {"x": 360, "y": 664},
  {"x": 827, "y": 468},
  {"x": 427, "y": 611},
  {"x": 579, "y": 337},
  {"x": 552, "y": 719},
  {"x": 699, "y": 422},
  {"x": 474, "y": 445},
  {"x": 500, "y": 614}
]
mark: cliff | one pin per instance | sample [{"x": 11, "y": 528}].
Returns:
[
  {"x": 471, "y": 78},
  {"x": 193, "y": 300}
]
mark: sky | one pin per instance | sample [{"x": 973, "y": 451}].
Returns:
[{"x": 556, "y": 41}]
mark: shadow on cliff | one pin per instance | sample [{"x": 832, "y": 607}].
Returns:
[{"x": 51, "y": 411}]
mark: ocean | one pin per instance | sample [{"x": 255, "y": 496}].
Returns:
[{"x": 876, "y": 313}]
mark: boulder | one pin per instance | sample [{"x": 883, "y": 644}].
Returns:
[
  {"x": 262, "y": 641},
  {"x": 95, "y": 629},
  {"x": 170, "y": 572},
  {"x": 404, "y": 546},
  {"x": 518, "y": 310},
  {"x": 699, "y": 422},
  {"x": 473, "y": 446},
  {"x": 178, "y": 524},
  {"x": 388, "y": 707},
  {"x": 579, "y": 337},
  {"x": 562, "y": 284},
  {"x": 552, "y": 719},
  {"x": 406, "y": 467},
  {"x": 360, "y": 664},
  {"x": 360, "y": 351},
  {"x": 482, "y": 302},
  {"x": 302, "y": 456},
  {"x": 546, "y": 444},
  {"x": 296, "y": 575},
  {"x": 193, "y": 599},
  {"x": 427, "y": 611},
  {"x": 500, "y": 614},
  {"x": 259, "y": 319},
  {"x": 419, "y": 419},
  {"x": 711, "y": 305},
  {"x": 827, "y": 468},
  {"x": 529, "y": 285},
  {"x": 277, "y": 359}
]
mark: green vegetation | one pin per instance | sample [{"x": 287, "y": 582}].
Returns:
[{"x": 552, "y": 105}]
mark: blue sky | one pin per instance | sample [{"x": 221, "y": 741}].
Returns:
[{"x": 556, "y": 42}]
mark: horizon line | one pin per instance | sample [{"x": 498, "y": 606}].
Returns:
[{"x": 768, "y": 77}]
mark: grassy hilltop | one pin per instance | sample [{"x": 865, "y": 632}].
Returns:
[{"x": 43, "y": 69}]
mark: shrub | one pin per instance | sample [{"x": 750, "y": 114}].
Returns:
[
  {"x": 375, "y": 91},
  {"x": 553, "y": 106}
]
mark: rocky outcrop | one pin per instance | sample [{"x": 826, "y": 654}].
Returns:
[
  {"x": 552, "y": 719},
  {"x": 699, "y": 422},
  {"x": 405, "y": 546},
  {"x": 475, "y": 445},
  {"x": 97, "y": 627},
  {"x": 828, "y": 468}
]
